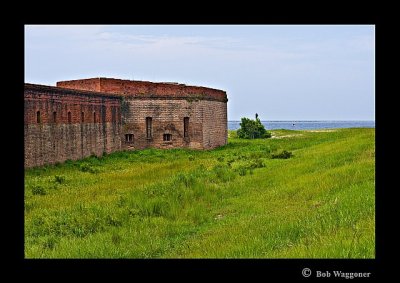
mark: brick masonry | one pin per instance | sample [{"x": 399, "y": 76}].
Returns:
[
  {"x": 93, "y": 116},
  {"x": 207, "y": 123}
]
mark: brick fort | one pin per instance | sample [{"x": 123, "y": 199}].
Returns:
[{"x": 79, "y": 118}]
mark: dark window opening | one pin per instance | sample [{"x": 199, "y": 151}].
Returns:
[
  {"x": 186, "y": 127},
  {"x": 82, "y": 117},
  {"x": 128, "y": 137},
  {"x": 94, "y": 117},
  {"x": 54, "y": 116},
  {"x": 167, "y": 137},
  {"x": 69, "y": 117},
  {"x": 149, "y": 127},
  {"x": 38, "y": 120},
  {"x": 113, "y": 115}
]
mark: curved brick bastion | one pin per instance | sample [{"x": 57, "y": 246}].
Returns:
[{"x": 79, "y": 118}]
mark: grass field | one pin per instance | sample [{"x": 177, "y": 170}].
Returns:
[{"x": 236, "y": 201}]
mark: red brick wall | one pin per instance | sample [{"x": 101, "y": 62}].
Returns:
[
  {"x": 207, "y": 123},
  {"x": 49, "y": 142},
  {"x": 167, "y": 104},
  {"x": 144, "y": 88},
  {"x": 86, "y": 84},
  {"x": 167, "y": 118},
  {"x": 215, "y": 124}
]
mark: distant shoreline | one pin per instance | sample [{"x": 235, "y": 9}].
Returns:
[
  {"x": 309, "y": 124},
  {"x": 303, "y": 121}
]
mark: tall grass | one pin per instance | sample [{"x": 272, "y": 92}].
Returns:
[{"x": 237, "y": 201}]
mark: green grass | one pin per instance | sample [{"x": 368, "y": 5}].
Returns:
[{"x": 236, "y": 201}]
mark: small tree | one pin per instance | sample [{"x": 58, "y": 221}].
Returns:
[{"x": 252, "y": 129}]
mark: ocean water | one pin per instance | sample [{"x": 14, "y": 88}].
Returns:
[{"x": 307, "y": 125}]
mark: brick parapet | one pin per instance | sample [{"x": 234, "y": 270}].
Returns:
[{"x": 145, "y": 89}]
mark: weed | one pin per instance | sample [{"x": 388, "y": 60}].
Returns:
[
  {"x": 116, "y": 239},
  {"x": 223, "y": 173},
  {"x": 256, "y": 163},
  {"x": 59, "y": 179},
  {"x": 229, "y": 162},
  {"x": 86, "y": 167},
  {"x": 282, "y": 155},
  {"x": 242, "y": 171},
  {"x": 38, "y": 190},
  {"x": 188, "y": 180},
  {"x": 113, "y": 220},
  {"x": 50, "y": 243},
  {"x": 28, "y": 206}
]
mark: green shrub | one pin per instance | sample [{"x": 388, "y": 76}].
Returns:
[
  {"x": 252, "y": 129},
  {"x": 282, "y": 155}
]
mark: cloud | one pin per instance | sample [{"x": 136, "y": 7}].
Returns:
[{"x": 256, "y": 68}]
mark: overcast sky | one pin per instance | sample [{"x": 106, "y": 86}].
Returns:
[{"x": 300, "y": 72}]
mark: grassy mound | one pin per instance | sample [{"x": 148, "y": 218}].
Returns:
[{"x": 300, "y": 194}]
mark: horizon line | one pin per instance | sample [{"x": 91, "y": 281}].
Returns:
[{"x": 309, "y": 120}]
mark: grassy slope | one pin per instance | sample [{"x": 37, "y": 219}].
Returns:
[{"x": 185, "y": 204}]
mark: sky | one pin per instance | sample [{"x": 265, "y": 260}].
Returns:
[{"x": 281, "y": 72}]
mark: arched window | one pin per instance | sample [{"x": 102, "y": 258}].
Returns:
[
  {"x": 69, "y": 117},
  {"x": 82, "y": 116},
  {"x": 54, "y": 117},
  {"x": 38, "y": 119},
  {"x": 94, "y": 117}
]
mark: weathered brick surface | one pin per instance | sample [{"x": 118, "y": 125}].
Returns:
[
  {"x": 144, "y": 88},
  {"x": 49, "y": 142},
  {"x": 85, "y": 84},
  {"x": 215, "y": 117},
  {"x": 207, "y": 123},
  {"x": 120, "y": 108},
  {"x": 167, "y": 118}
]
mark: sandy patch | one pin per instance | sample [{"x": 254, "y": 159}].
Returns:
[
  {"x": 286, "y": 136},
  {"x": 321, "y": 131}
]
